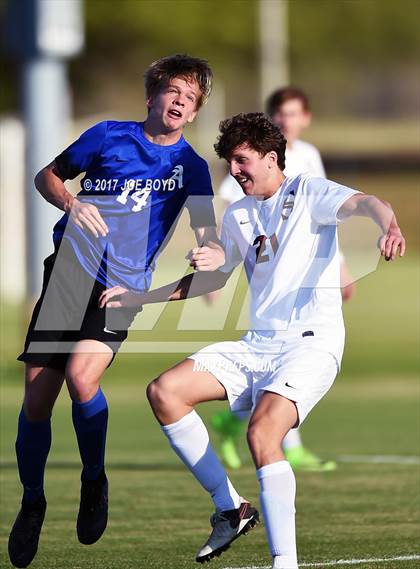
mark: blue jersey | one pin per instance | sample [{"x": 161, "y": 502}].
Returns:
[{"x": 140, "y": 189}]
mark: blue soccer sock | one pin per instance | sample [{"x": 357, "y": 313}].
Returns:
[
  {"x": 33, "y": 444},
  {"x": 90, "y": 420}
]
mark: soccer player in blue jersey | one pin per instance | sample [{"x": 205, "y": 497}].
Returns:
[{"x": 138, "y": 177}]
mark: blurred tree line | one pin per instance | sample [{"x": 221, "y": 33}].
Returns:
[{"x": 353, "y": 56}]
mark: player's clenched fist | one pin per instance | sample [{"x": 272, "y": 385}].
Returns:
[
  {"x": 87, "y": 216},
  {"x": 207, "y": 258}
]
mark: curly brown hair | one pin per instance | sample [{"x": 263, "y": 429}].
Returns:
[
  {"x": 160, "y": 73},
  {"x": 256, "y": 131}
]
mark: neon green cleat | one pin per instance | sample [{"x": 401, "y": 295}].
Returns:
[
  {"x": 229, "y": 428},
  {"x": 302, "y": 459},
  {"x": 227, "y": 424},
  {"x": 229, "y": 453}
]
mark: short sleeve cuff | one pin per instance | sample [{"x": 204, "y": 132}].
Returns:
[{"x": 348, "y": 195}]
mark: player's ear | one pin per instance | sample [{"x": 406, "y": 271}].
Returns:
[
  {"x": 149, "y": 102},
  {"x": 272, "y": 158}
]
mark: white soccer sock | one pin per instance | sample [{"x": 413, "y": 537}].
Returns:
[
  {"x": 190, "y": 440},
  {"x": 292, "y": 440},
  {"x": 277, "y": 499}
]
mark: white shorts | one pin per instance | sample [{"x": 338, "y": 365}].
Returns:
[{"x": 299, "y": 368}]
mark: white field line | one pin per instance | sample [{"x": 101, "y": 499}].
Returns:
[
  {"x": 378, "y": 459},
  {"x": 342, "y": 562}
]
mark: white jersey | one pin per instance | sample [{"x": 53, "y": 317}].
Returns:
[
  {"x": 288, "y": 244},
  {"x": 302, "y": 158}
]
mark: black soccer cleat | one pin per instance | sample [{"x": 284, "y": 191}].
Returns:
[
  {"x": 227, "y": 526},
  {"x": 93, "y": 511},
  {"x": 24, "y": 537}
]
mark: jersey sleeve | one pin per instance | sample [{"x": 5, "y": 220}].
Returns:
[
  {"x": 200, "y": 181},
  {"x": 200, "y": 197},
  {"x": 324, "y": 199},
  {"x": 232, "y": 253},
  {"x": 79, "y": 156}
]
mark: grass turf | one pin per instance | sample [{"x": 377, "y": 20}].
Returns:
[{"x": 159, "y": 514}]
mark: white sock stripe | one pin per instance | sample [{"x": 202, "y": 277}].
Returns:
[
  {"x": 273, "y": 468},
  {"x": 221, "y": 488},
  {"x": 186, "y": 422}
]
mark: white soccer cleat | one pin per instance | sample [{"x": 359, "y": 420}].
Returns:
[{"x": 227, "y": 526}]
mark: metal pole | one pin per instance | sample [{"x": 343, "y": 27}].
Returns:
[
  {"x": 273, "y": 43},
  {"x": 46, "y": 112}
]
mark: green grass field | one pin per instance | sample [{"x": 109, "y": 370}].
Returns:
[{"x": 159, "y": 514}]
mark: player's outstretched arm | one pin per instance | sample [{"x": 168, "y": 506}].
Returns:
[
  {"x": 209, "y": 255},
  {"x": 51, "y": 186},
  {"x": 189, "y": 286},
  {"x": 383, "y": 215}
]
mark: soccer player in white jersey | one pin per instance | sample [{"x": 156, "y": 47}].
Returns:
[
  {"x": 289, "y": 108},
  {"x": 285, "y": 232}
]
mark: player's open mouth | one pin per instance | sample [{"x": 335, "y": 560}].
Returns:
[
  {"x": 175, "y": 114},
  {"x": 242, "y": 180}
]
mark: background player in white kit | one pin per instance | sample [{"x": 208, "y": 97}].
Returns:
[
  {"x": 285, "y": 232},
  {"x": 289, "y": 108}
]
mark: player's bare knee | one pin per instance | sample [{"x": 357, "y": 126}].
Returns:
[
  {"x": 36, "y": 410},
  {"x": 81, "y": 387},
  {"x": 152, "y": 393},
  {"x": 261, "y": 440},
  {"x": 255, "y": 437},
  {"x": 160, "y": 392}
]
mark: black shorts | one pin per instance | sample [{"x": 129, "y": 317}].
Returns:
[{"x": 68, "y": 312}]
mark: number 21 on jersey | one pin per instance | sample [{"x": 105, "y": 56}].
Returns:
[{"x": 264, "y": 253}]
